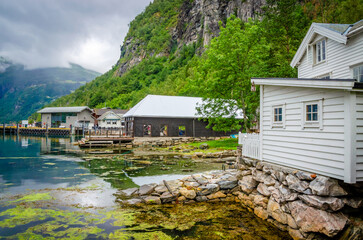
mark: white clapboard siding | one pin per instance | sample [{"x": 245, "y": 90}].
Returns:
[
  {"x": 312, "y": 149},
  {"x": 359, "y": 137},
  {"x": 339, "y": 60}
]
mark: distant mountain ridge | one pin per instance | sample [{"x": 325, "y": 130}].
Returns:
[{"x": 22, "y": 91}]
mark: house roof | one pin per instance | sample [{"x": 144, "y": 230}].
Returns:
[
  {"x": 166, "y": 106},
  {"x": 64, "y": 109},
  {"x": 343, "y": 84},
  {"x": 100, "y": 111},
  {"x": 337, "y": 32},
  {"x": 113, "y": 116}
]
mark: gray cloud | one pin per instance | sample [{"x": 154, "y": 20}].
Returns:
[{"x": 46, "y": 33}]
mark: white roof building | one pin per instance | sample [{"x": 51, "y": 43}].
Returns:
[
  {"x": 64, "y": 109},
  {"x": 167, "y": 107}
]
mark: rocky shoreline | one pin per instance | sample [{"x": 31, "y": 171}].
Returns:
[{"x": 305, "y": 205}]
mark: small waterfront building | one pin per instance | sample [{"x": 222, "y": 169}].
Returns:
[
  {"x": 315, "y": 122},
  {"x": 113, "y": 118},
  {"x": 167, "y": 116},
  {"x": 66, "y": 117}
]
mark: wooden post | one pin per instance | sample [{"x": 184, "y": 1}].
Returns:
[
  {"x": 120, "y": 132},
  {"x": 107, "y": 133},
  {"x": 83, "y": 130},
  {"x": 111, "y": 132},
  {"x": 89, "y": 133},
  {"x": 4, "y": 129},
  {"x": 17, "y": 129},
  {"x": 46, "y": 129},
  {"x": 71, "y": 131}
]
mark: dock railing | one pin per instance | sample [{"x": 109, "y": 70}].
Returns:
[{"x": 250, "y": 144}]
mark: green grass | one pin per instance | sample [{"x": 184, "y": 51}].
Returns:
[{"x": 222, "y": 144}]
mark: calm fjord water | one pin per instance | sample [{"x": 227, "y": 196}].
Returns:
[{"x": 47, "y": 191}]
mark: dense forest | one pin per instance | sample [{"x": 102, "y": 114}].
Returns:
[{"x": 163, "y": 64}]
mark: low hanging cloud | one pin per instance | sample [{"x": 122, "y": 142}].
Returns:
[{"x": 50, "y": 33}]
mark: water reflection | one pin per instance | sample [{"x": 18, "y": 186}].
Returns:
[
  {"x": 43, "y": 162},
  {"x": 37, "y": 163}
]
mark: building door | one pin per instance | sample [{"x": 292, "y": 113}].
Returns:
[
  {"x": 163, "y": 130},
  {"x": 147, "y": 130}
]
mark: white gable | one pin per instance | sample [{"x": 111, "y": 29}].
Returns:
[
  {"x": 314, "y": 30},
  {"x": 109, "y": 116}
]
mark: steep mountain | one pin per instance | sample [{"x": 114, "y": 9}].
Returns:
[
  {"x": 160, "y": 41},
  {"x": 167, "y": 42},
  {"x": 22, "y": 92}
]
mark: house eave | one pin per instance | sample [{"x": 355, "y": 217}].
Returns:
[{"x": 342, "y": 84}]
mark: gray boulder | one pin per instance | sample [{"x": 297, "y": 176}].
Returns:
[
  {"x": 207, "y": 189},
  {"x": 324, "y": 186},
  {"x": 129, "y": 192},
  {"x": 146, "y": 189},
  {"x": 310, "y": 219},
  {"x": 295, "y": 184},
  {"x": 166, "y": 197},
  {"x": 248, "y": 184},
  {"x": 263, "y": 189},
  {"x": 323, "y": 203}
]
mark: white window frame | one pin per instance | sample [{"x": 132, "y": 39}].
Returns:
[
  {"x": 278, "y": 124},
  {"x": 318, "y": 124},
  {"x": 357, "y": 67},
  {"x": 320, "y": 49},
  {"x": 324, "y": 76}
]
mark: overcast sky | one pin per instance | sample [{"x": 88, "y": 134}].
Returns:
[{"x": 48, "y": 33}]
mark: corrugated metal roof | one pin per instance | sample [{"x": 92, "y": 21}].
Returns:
[
  {"x": 340, "y": 28},
  {"x": 63, "y": 109},
  {"x": 356, "y": 26},
  {"x": 100, "y": 111},
  {"x": 166, "y": 106}
]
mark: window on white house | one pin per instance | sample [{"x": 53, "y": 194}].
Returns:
[
  {"x": 358, "y": 73},
  {"x": 326, "y": 76},
  {"x": 311, "y": 112},
  {"x": 277, "y": 114},
  {"x": 320, "y": 51},
  {"x": 114, "y": 122},
  {"x": 108, "y": 122}
]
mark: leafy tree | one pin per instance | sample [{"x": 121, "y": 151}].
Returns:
[
  {"x": 224, "y": 72},
  {"x": 285, "y": 26}
]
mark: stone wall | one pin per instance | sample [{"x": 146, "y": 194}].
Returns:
[
  {"x": 151, "y": 142},
  {"x": 306, "y": 205}
]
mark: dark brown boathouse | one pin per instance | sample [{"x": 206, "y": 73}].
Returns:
[{"x": 167, "y": 116}]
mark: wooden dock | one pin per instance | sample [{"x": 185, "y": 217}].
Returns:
[
  {"x": 14, "y": 130},
  {"x": 106, "y": 142}
]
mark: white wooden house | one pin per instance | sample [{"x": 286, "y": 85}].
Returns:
[
  {"x": 111, "y": 119},
  {"x": 315, "y": 122}
]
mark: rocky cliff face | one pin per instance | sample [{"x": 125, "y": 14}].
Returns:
[
  {"x": 198, "y": 22},
  {"x": 200, "y": 18}
]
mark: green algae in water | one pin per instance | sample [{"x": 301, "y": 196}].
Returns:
[
  {"x": 125, "y": 235},
  {"x": 35, "y": 197}
]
